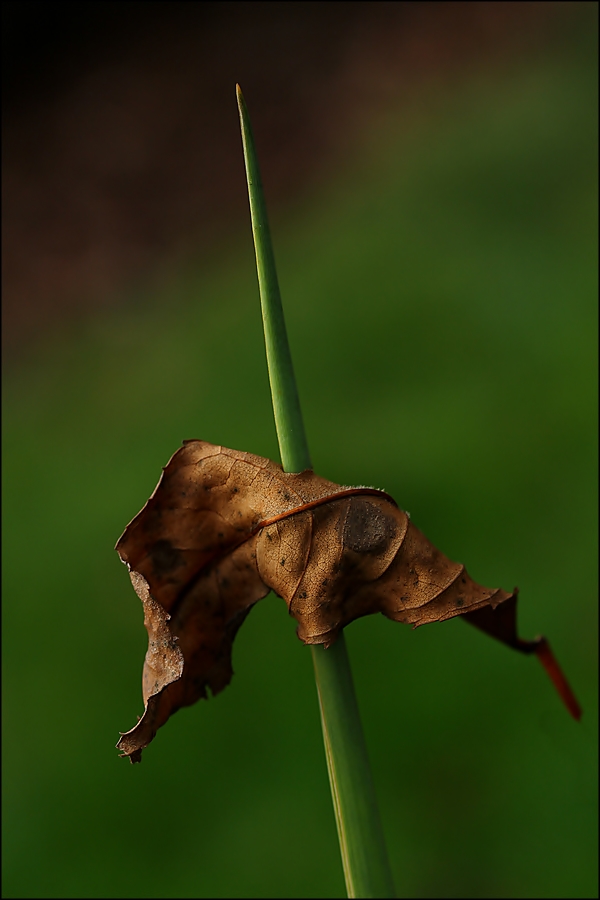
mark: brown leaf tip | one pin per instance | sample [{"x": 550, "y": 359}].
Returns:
[{"x": 557, "y": 676}]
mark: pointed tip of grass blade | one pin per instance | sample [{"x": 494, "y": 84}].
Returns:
[
  {"x": 247, "y": 138},
  {"x": 239, "y": 96}
]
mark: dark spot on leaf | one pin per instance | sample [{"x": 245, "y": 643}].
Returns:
[
  {"x": 165, "y": 557},
  {"x": 367, "y": 528}
]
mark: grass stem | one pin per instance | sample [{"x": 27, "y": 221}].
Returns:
[{"x": 362, "y": 844}]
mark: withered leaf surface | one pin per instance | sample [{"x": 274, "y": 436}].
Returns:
[{"x": 224, "y": 527}]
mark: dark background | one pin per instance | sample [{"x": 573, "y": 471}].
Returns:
[
  {"x": 431, "y": 176},
  {"x": 121, "y": 155}
]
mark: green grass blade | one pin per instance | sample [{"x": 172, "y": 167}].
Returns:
[
  {"x": 362, "y": 843},
  {"x": 364, "y": 856},
  {"x": 286, "y": 404}
]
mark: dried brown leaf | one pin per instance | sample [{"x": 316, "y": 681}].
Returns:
[{"x": 224, "y": 527}]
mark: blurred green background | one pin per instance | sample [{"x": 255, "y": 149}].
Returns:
[{"x": 440, "y": 291}]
